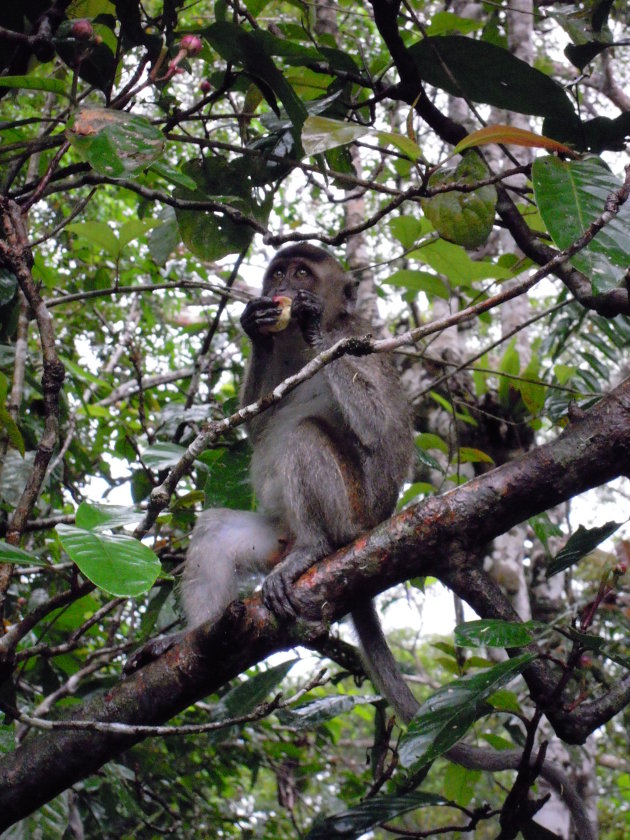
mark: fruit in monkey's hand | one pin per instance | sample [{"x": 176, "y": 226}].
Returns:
[{"x": 284, "y": 303}]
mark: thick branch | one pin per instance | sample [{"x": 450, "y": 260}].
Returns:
[{"x": 417, "y": 541}]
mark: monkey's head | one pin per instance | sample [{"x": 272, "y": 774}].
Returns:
[{"x": 310, "y": 268}]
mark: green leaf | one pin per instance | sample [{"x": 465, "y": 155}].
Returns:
[
  {"x": 8, "y": 286},
  {"x": 407, "y": 230},
  {"x": 572, "y": 194},
  {"x": 116, "y": 563},
  {"x": 95, "y": 517},
  {"x": 428, "y": 440},
  {"x": 446, "y": 716},
  {"x": 510, "y": 135},
  {"x": 510, "y": 363},
  {"x": 470, "y": 455},
  {"x": 321, "y": 133},
  {"x": 401, "y": 142},
  {"x": 579, "y": 545},
  {"x": 454, "y": 263},
  {"x": 248, "y": 694},
  {"x": 419, "y": 281},
  {"x": 99, "y": 233},
  {"x": 134, "y": 229},
  {"x": 533, "y": 393},
  {"x": 483, "y": 72},
  {"x": 163, "y": 455},
  {"x": 249, "y": 49},
  {"x": 227, "y": 484},
  {"x": 11, "y": 430},
  {"x": 12, "y": 554},
  {"x": 312, "y": 714},
  {"x": 165, "y": 237},
  {"x": 351, "y": 824},
  {"x": 172, "y": 175},
  {"x": 35, "y": 83},
  {"x": 465, "y": 218},
  {"x": 214, "y": 234},
  {"x": 460, "y": 783},
  {"x": 115, "y": 143},
  {"x": 443, "y": 22},
  {"x": 494, "y": 633}
]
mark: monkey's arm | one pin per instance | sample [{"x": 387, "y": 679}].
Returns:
[
  {"x": 366, "y": 389},
  {"x": 257, "y": 317}
]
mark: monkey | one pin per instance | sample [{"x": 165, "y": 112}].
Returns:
[{"x": 328, "y": 460}]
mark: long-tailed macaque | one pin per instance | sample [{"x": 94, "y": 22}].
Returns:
[{"x": 328, "y": 460}]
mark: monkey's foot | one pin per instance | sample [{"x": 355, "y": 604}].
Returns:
[
  {"x": 276, "y": 595},
  {"x": 278, "y": 587}
]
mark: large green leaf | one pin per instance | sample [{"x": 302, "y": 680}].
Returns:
[
  {"x": 214, "y": 234},
  {"x": 356, "y": 821},
  {"x": 454, "y": 263},
  {"x": 321, "y": 133},
  {"x": 12, "y": 554},
  {"x": 419, "y": 281},
  {"x": 116, "y": 563},
  {"x": 245, "y": 696},
  {"x": 114, "y": 143},
  {"x": 570, "y": 195},
  {"x": 31, "y": 82},
  {"x": 94, "y": 517},
  {"x": 446, "y": 716},
  {"x": 312, "y": 714},
  {"x": 483, "y": 72},
  {"x": 249, "y": 49},
  {"x": 579, "y": 544},
  {"x": 493, "y": 633}
]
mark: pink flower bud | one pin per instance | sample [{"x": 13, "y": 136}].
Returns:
[
  {"x": 82, "y": 30},
  {"x": 192, "y": 44}
]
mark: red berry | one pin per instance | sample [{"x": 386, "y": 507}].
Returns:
[
  {"x": 205, "y": 86},
  {"x": 82, "y": 30},
  {"x": 192, "y": 44}
]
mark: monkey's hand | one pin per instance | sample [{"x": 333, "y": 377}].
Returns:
[
  {"x": 307, "y": 310},
  {"x": 277, "y": 588},
  {"x": 258, "y": 317}
]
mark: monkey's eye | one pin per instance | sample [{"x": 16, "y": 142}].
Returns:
[
  {"x": 278, "y": 274},
  {"x": 301, "y": 273}
]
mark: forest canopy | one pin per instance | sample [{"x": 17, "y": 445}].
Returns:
[{"x": 465, "y": 163}]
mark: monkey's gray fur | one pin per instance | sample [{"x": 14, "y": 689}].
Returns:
[{"x": 328, "y": 461}]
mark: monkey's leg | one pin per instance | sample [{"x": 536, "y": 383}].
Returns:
[
  {"x": 228, "y": 550},
  {"x": 317, "y": 489}
]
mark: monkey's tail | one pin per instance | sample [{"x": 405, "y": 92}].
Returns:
[{"x": 380, "y": 664}]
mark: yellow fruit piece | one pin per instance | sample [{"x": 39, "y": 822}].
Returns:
[{"x": 285, "y": 314}]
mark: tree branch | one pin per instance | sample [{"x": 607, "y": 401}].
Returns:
[{"x": 422, "y": 540}]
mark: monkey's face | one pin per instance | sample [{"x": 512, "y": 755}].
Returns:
[
  {"x": 288, "y": 276},
  {"x": 304, "y": 267}
]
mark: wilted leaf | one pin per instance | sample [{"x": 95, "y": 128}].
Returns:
[
  {"x": 115, "y": 143},
  {"x": 510, "y": 135}
]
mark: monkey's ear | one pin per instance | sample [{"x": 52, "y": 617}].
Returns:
[{"x": 350, "y": 292}]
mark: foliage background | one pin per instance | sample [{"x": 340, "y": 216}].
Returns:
[{"x": 153, "y": 156}]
